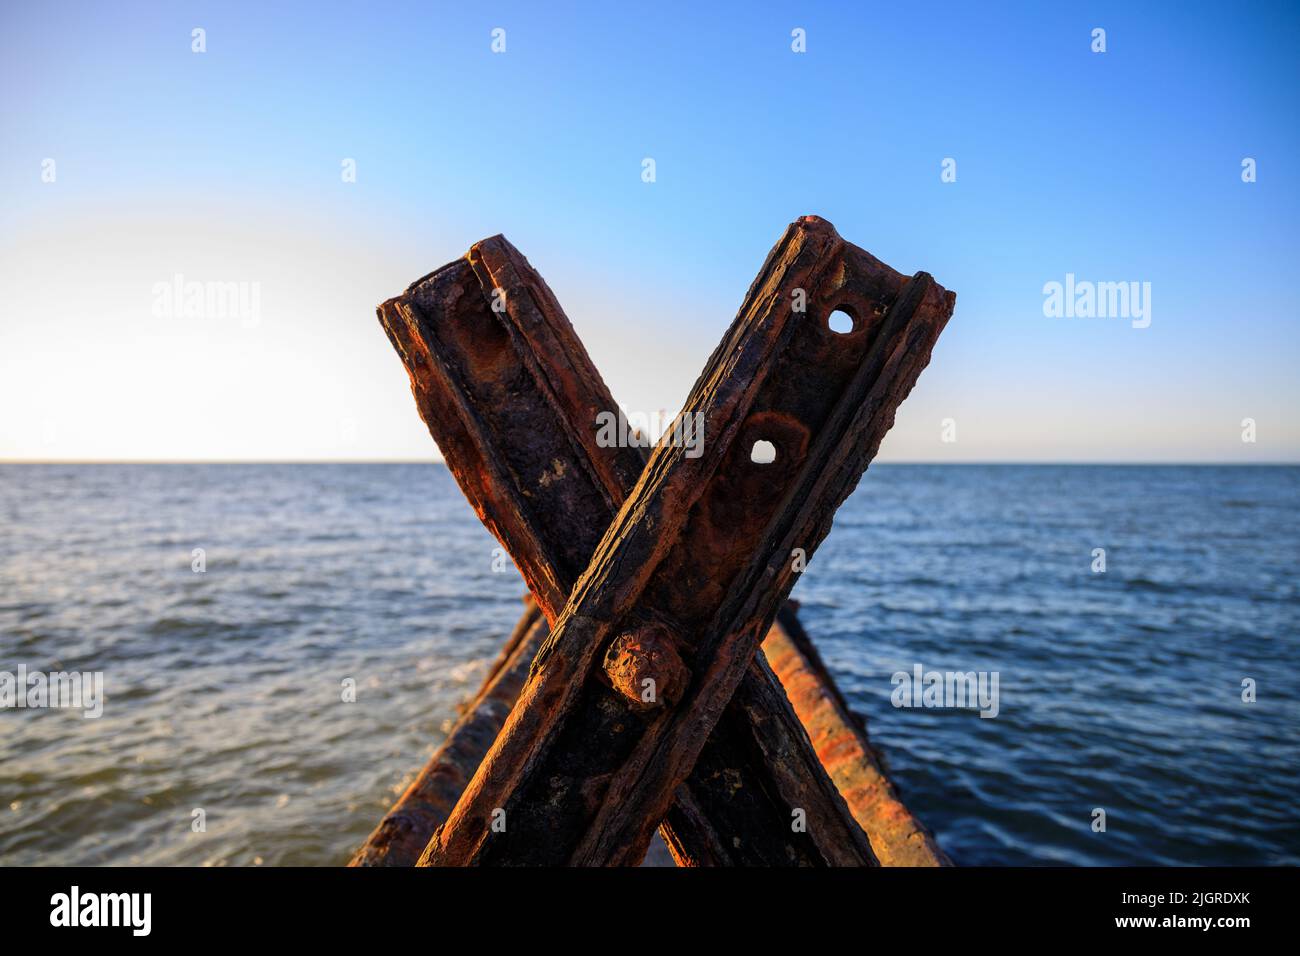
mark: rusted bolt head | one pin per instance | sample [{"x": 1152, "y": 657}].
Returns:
[{"x": 643, "y": 665}]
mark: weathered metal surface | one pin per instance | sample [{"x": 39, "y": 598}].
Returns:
[
  {"x": 840, "y": 736},
  {"x": 512, "y": 399},
  {"x": 405, "y": 830},
  {"x": 702, "y": 549},
  {"x": 496, "y": 370}
]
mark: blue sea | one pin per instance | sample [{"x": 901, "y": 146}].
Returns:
[{"x": 1119, "y": 690}]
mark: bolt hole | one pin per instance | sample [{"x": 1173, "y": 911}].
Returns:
[
  {"x": 763, "y": 452},
  {"x": 840, "y": 322}
]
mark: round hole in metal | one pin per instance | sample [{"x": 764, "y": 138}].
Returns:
[{"x": 840, "y": 322}]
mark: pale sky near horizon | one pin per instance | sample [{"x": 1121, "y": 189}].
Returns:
[{"x": 225, "y": 167}]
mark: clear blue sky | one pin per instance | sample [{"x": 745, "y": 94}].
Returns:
[{"x": 225, "y": 166}]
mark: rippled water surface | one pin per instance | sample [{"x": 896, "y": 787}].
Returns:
[{"x": 1120, "y": 691}]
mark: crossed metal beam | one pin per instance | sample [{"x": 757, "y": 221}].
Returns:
[{"x": 675, "y": 596}]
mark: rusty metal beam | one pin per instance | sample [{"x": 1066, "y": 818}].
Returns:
[
  {"x": 840, "y": 738},
  {"x": 511, "y": 396},
  {"x": 864, "y": 287}
]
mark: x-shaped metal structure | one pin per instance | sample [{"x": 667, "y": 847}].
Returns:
[{"x": 647, "y": 705}]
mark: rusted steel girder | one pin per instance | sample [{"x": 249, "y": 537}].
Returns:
[
  {"x": 864, "y": 287},
  {"x": 512, "y": 398},
  {"x": 840, "y": 738},
  {"x": 841, "y": 741}
]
